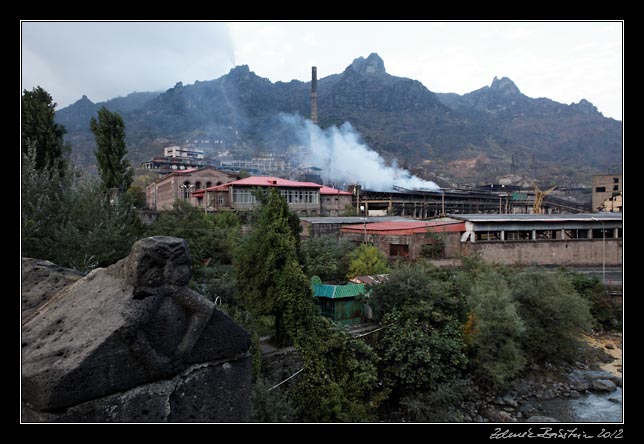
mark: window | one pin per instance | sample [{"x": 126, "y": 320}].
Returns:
[
  {"x": 546, "y": 234},
  {"x": 399, "y": 250},
  {"x": 615, "y": 179},
  {"x": 600, "y": 189},
  {"x": 518, "y": 235},
  {"x": 488, "y": 235},
  {"x": 615, "y": 187},
  {"x": 243, "y": 196},
  {"x": 599, "y": 233},
  {"x": 575, "y": 234}
]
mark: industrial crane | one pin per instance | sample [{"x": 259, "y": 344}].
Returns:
[{"x": 538, "y": 198}]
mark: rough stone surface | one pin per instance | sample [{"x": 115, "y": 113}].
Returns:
[
  {"x": 41, "y": 280},
  {"x": 202, "y": 393},
  {"x": 603, "y": 385},
  {"x": 538, "y": 418},
  {"x": 128, "y": 326}
]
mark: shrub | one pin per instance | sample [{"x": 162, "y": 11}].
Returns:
[
  {"x": 553, "y": 312},
  {"x": 606, "y": 313},
  {"x": 494, "y": 330}
]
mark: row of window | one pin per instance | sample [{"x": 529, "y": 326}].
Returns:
[
  {"x": 597, "y": 233},
  {"x": 299, "y": 196}
]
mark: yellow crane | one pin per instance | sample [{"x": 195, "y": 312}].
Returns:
[{"x": 538, "y": 198}]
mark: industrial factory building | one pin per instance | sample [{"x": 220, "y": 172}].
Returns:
[
  {"x": 607, "y": 192},
  {"x": 304, "y": 198},
  {"x": 543, "y": 239},
  {"x": 179, "y": 185}
]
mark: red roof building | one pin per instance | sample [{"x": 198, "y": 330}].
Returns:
[
  {"x": 409, "y": 239},
  {"x": 305, "y": 198}
]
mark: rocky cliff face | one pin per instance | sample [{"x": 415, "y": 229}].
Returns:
[
  {"x": 132, "y": 342},
  {"x": 398, "y": 117}
]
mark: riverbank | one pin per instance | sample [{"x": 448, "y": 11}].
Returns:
[{"x": 587, "y": 391}]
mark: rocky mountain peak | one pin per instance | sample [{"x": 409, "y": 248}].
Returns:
[
  {"x": 84, "y": 100},
  {"x": 585, "y": 107},
  {"x": 372, "y": 65},
  {"x": 505, "y": 86}
]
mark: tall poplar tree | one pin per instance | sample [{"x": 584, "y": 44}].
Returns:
[{"x": 111, "y": 160}]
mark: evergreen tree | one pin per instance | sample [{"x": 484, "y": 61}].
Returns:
[
  {"x": 113, "y": 166},
  {"x": 40, "y": 133},
  {"x": 269, "y": 276}
]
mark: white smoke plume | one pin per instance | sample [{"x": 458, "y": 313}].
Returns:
[{"x": 343, "y": 157}]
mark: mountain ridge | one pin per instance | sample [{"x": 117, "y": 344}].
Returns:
[{"x": 473, "y": 137}]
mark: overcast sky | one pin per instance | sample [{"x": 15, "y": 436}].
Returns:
[{"x": 564, "y": 61}]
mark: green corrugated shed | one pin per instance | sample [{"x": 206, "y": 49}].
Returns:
[
  {"x": 338, "y": 302},
  {"x": 338, "y": 291}
]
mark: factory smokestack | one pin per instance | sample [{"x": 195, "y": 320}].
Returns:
[{"x": 314, "y": 95}]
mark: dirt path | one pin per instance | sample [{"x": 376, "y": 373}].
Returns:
[{"x": 609, "y": 339}]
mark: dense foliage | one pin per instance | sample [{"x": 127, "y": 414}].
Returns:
[
  {"x": 70, "y": 221},
  {"x": 269, "y": 276},
  {"x": 365, "y": 260},
  {"x": 41, "y": 136},
  {"x": 553, "y": 313},
  {"x": 607, "y": 313},
  {"x": 326, "y": 257}
]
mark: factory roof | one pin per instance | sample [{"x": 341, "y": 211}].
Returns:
[
  {"x": 578, "y": 217},
  {"x": 404, "y": 227},
  {"x": 353, "y": 219}
]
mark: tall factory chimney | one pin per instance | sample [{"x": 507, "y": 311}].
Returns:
[{"x": 314, "y": 94}]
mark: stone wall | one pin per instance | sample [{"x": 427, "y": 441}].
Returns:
[
  {"x": 558, "y": 252},
  {"x": 132, "y": 343}
]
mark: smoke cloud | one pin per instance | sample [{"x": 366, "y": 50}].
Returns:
[{"x": 344, "y": 158}]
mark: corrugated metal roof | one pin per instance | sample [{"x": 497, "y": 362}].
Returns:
[
  {"x": 587, "y": 217},
  {"x": 397, "y": 226},
  {"x": 370, "y": 279},
  {"x": 353, "y": 219},
  {"x": 337, "y": 291}
]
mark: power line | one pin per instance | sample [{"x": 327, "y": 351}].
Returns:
[{"x": 293, "y": 375}]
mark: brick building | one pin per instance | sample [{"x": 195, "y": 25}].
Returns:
[{"x": 181, "y": 185}]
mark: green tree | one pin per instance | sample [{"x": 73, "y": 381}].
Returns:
[
  {"x": 607, "y": 314},
  {"x": 136, "y": 196},
  {"x": 493, "y": 330},
  {"x": 70, "y": 221},
  {"x": 269, "y": 276},
  {"x": 95, "y": 233},
  {"x": 40, "y": 133},
  {"x": 339, "y": 382},
  {"x": 113, "y": 166},
  {"x": 409, "y": 285},
  {"x": 365, "y": 260},
  {"x": 43, "y": 206},
  {"x": 554, "y": 315},
  {"x": 325, "y": 257},
  {"x": 422, "y": 345}
]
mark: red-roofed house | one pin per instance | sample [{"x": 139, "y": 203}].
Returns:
[
  {"x": 412, "y": 239},
  {"x": 302, "y": 197},
  {"x": 179, "y": 185}
]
